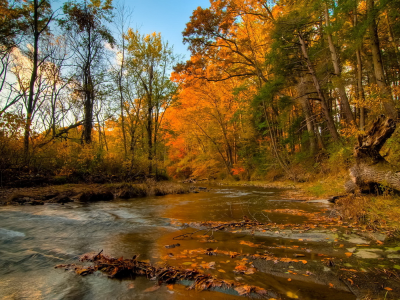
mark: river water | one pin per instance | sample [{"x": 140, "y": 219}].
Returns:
[{"x": 34, "y": 239}]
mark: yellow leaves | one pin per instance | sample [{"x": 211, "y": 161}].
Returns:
[
  {"x": 292, "y": 295},
  {"x": 144, "y": 47}
]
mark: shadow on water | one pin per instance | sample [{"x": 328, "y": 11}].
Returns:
[{"x": 35, "y": 239}]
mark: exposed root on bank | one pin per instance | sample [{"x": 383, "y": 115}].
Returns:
[{"x": 128, "y": 268}]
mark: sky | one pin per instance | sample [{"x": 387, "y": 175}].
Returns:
[{"x": 166, "y": 16}]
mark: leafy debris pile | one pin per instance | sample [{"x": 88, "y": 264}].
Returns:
[{"x": 123, "y": 268}]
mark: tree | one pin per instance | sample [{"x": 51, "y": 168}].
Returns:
[
  {"x": 39, "y": 19},
  {"x": 84, "y": 25},
  {"x": 149, "y": 60}
]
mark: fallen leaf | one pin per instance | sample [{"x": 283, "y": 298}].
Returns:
[
  {"x": 289, "y": 279},
  {"x": 151, "y": 289},
  {"x": 242, "y": 290},
  {"x": 250, "y": 271},
  {"x": 379, "y": 242},
  {"x": 170, "y": 287},
  {"x": 388, "y": 289},
  {"x": 303, "y": 261},
  {"x": 348, "y": 254},
  {"x": 222, "y": 271},
  {"x": 331, "y": 285},
  {"x": 351, "y": 281}
]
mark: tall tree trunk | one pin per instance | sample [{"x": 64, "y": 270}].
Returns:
[
  {"x": 388, "y": 103},
  {"x": 308, "y": 115},
  {"x": 325, "y": 109},
  {"x": 31, "y": 104},
  {"x": 360, "y": 89},
  {"x": 338, "y": 72},
  {"x": 89, "y": 94},
  {"x": 88, "y": 110},
  {"x": 149, "y": 128},
  {"x": 122, "y": 97}
]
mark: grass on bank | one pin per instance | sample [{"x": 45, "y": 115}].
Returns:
[{"x": 381, "y": 212}]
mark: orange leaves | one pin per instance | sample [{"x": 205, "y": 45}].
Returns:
[
  {"x": 240, "y": 268},
  {"x": 303, "y": 261},
  {"x": 250, "y": 244},
  {"x": 348, "y": 254}
]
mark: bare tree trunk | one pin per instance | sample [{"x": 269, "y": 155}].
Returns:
[
  {"x": 122, "y": 97},
  {"x": 31, "y": 104},
  {"x": 89, "y": 94},
  {"x": 149, "y": 128}
]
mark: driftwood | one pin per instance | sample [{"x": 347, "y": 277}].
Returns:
[
  {"x": 371, "y": 171},
  {"x": 189, "y": 235}
]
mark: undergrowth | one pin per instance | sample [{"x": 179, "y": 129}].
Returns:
[{"x": 375, "y": 212}]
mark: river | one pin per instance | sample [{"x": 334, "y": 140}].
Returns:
[{"x": 34, "y": 239}]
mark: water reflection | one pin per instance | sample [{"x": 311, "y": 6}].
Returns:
[{"x": 35, "y": 239}]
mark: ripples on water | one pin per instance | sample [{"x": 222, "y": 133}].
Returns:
[{"x": 33, "y": 239}]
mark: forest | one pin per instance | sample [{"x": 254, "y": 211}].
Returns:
[
  {"x": 274, "y": 145},
  {"x": 272, "y": 89}
]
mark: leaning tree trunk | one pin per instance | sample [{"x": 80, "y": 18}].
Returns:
[{"x": 371, "y": 171}]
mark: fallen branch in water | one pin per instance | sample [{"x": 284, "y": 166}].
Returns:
[
  {"x": 120, "y": 268},
  {"x": 218, "y": 227}
]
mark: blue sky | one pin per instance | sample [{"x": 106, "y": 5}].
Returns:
[{"x": 166, "y": 16}]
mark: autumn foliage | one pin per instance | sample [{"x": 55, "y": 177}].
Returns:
[{"x": 271, "y": 89}]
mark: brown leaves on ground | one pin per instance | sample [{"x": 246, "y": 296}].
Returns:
[
  {"x": 248, "y": 289},
  {"x": 127, "y": 268},
  {"x": 242, "y": 268}
]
